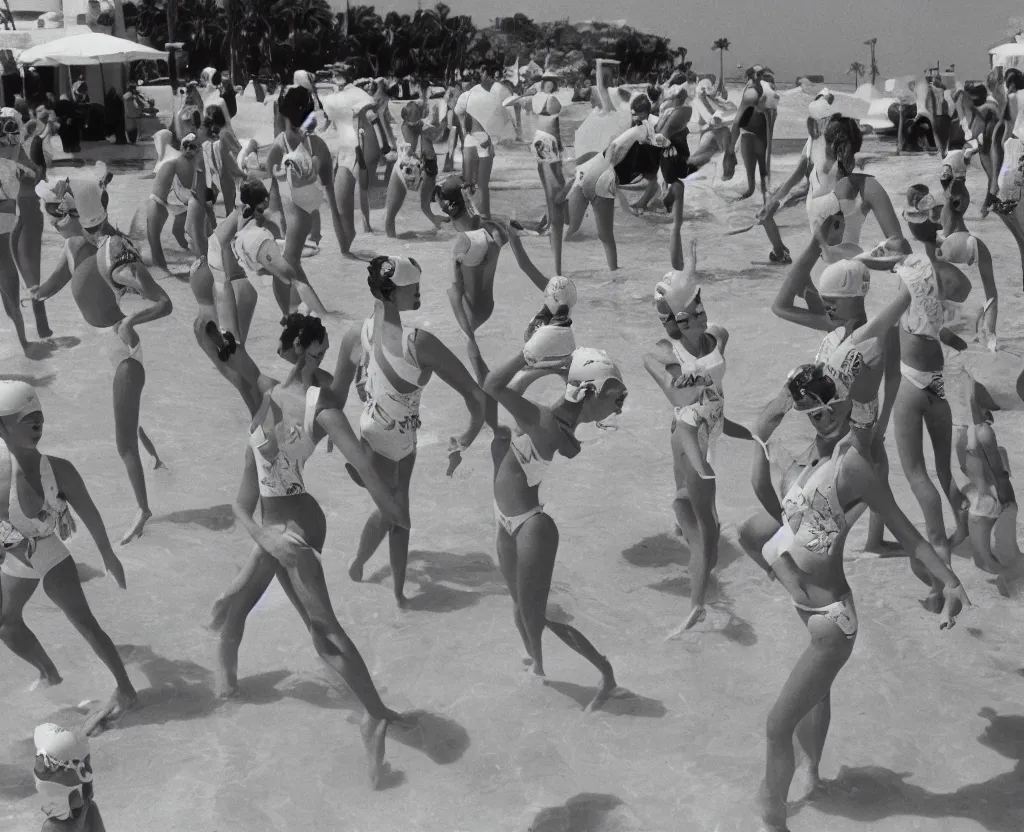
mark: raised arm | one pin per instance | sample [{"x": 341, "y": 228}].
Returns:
[
  {"x": 878, "y": 201},
  {"x": 60, "y": 277},
  {"x": 497, "y": 385},
  {"x": 768, "y": 422},
  {"x": 70, "y": 483},
  {"x": 152, "y": 291},
  {"x": 349, "y": 355}
]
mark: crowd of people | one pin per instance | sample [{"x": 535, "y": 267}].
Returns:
[{"x": 900, "y": 367}]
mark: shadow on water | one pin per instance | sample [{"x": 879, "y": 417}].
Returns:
[
  {"x": 871, "y": 793},
  {"x": 16, "y": 781},
  {"x": 622, "y": 702},
  {"x": 664, "y": 550},
  {"x": 218, "y": 518},
  {"x": 442, "y": 739},
  {"x": 448, "y": 581},
  {"x": 87, "y": 573},
  {"x": 582, "y": 813}
]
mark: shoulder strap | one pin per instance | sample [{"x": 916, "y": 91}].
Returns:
[{"x": 309, "y": 422}]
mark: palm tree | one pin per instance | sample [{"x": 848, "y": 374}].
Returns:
[
  {"x": 856, "y": 70},
  {"x": 722, "y": 46}
]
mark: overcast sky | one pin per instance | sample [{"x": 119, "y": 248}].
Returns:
[{"x": 912, "y": 34}]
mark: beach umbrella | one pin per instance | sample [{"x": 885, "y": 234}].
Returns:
[{"x": 88, "y": 49}]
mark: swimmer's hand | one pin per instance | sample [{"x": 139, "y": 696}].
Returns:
[
  {"x": 114, "y": 568},
  {"x": 455, "y": 449},
  {"x": 956, "y": 602},
  {"x": 771, "y": 205},
  {"x": 284, "y": 545}
]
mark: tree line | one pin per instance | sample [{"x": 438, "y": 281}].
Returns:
[{"x": 279, "y": 36}]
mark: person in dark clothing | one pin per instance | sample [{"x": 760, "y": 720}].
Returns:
[{"x": 70, "y": 129}]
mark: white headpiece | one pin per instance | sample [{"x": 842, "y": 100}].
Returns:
[
  {"x": 845, "y": 279},
  {"x": 18, "y": 398},
  {"x": 589, "y": 371},
  {"x": 678, "y": 289}
]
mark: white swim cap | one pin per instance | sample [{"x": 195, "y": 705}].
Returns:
[
  {"x": 845, "y": 279},
  {"x": 705, "y": 85},
  {"x": 88, "y": 197},
  {"x": 560, "y": 291},
  {"x": 301, "y": 78},
  {"x": 954, "y": 166},
  {"x": 18, "y": 398},
  {"x": 54, "y": 191},
  {"x": 821, "y": 208},
  {"x": 677, "y": 289},
  {"x": 589, "y": 371},
  {"x": 206, "y": 76},
  {"x": 402, "y": 271},
  {"x": 63, "y": 748},
  {"x": 248, "y": 158},
  {"x": 823, "y": 105}
]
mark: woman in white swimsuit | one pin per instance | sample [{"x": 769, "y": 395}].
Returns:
[
  {"x": 928, "y": 284},
  {"x": 36, "y": 491},
  {"x": 800, "y": 544},
  {"x": 104, "y": 267},
  {"x": 294, "y": 417},
  {"x": 179, "y": 190},
  {"x": 416, "y": 168},
  {"x": 547, "y": 152},
  {"x": 475, "y": 256},
  {"x": 305, "y": 162},
  {"x": 397, "y": 362},
  {"x": 959, "y": 246},
  {"x": 689, "y": 367},
  {"x": 478, "y": 147},
  {"x": 527, "y": 541}
]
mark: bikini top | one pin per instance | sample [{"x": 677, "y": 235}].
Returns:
[
  {"x": 300, "y": 164},
  {"x": 247, "y": 244},
  {"x": 116, "y": 251},
  {"x": 546, "y": 104},
  {"x": 380, "y": 391},
  {"x": 480, "y": 240},
  {"x": 533, "y": 464},
  {"x": 281, "y": 454},
  {"x": 960, "y": 247},
  {"x": 54, "y": 518},
  {"x": 925, "y": 315},
  {"x": 811, "y": 507},
  {"x": 702, "y": 376}
]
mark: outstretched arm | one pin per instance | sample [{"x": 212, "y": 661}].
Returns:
[
  {"x": 498, "y": 385},
  {"x": 795, "y": 285},
  {"x": 435, "y": 356},
  {"x": 335, "y": 424},
  {"x": 761, "y": 474},
  {"x": 61, "y": 274},
  {"x": 525, "y": 263},
  {"x": 75, "y": 492}
]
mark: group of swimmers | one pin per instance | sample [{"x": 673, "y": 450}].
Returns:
[{"x": 797, "y": 537}]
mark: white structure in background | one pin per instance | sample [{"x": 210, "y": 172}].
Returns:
[
  {"x": 40, "y": 21},
  {"x": 1008, "y": 54}
]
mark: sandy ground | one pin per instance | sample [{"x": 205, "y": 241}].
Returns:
[{"x": 928, "y": 726}]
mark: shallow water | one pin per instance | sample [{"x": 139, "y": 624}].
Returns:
[{"x": 928, "y": 726}]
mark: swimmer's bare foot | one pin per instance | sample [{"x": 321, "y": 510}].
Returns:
[
  {"x": 355, "y": 570},
  {"x": 1010, "y": 581},
  {"x": 137, "y": 526},
  {"x": 110, "y": 714},
  {"x": 884, "y": 548},
  {"x": 402, "y": 601},
  {"x": 46, "y": 680},
  {"x": 366, "y": 227},
  {"x": 158, "y": 464},
  {"x": 373, "y": 732},
  {"x": 773, "y": 812},
  {"x": 606, "y": 689},
  {"x": 934, "y": 602},
  {"x": 807, "y": 783},
  {"x": 697, "y": 614}
]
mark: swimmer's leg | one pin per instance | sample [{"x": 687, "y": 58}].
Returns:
[
  {"x": 398, "y": 538},
  {"x": 938, "y": 420},
  {"x": 64, "y": 588},
  {"x": 156, "y": 217},
  {"x": 315, "y": 234},
  {"x": 345, "y": 195},
  {"x": 811, "y": 733},
  {"x": 604, "y": 215},
  {"x": 808, "y": 684},
  {"x": 234, "y": 623},
  {"x": 10, "y": 292},
  {"x": 129, "y": 380},
  {"x": 748, "y": 151},
  {"x": 551, "y": 180},
  {"x": 908, "y": 421},
  {"x": 576, "y": 205},
  {"x": 483, "y": 182},
  {"x": 505, "y": 545},
  {"x": 395, "y": 198},
  {"x": 15, "y": 633}
]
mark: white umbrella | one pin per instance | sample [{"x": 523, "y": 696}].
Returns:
[{"x": 88, "y": 49}]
